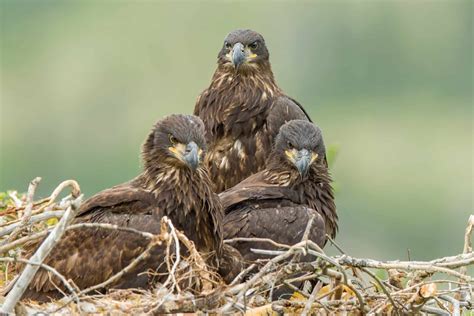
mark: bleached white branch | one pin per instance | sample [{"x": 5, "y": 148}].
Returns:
[{"x": 33, "y": 219}]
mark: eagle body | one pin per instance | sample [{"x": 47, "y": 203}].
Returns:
[
  {"x": 242, "y": 110},
  {"x": 278, "y": 202},
  {"x": 167, "y": 187}
]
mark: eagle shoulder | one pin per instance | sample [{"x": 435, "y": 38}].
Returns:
[{"x": 285, "y": 109}]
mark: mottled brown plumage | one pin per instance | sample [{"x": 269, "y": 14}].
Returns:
[
  {"x": 174, "y": 183},
  {"x": 242, "y": 109},
  {"x": 278, "y": 202}
]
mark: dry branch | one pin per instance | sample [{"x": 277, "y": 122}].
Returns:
[{"x": 191, "y": 286}]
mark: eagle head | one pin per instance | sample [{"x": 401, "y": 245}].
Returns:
[
  {"x": 299, "y": 144},
  {"x": 243, "y": 50},
  {"x": 177, "y": 141}
]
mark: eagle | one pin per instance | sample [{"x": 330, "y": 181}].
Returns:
[
  {"x": 243, "y": 108},
  {"x": 278, "y": 202},
  {"x": 174, "y": 183}
]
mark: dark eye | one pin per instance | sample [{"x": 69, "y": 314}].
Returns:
[
  {"x": 227, "y": 45},
  {"x": 173, "y": 139},
  {"x": 254, "y": 45},
  {"x": 290, "y": 145}
]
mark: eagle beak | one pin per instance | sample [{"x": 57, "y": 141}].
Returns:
[
  {"x": 302, "y": 159},
  {"x": 191, "y": 155},
  {"x": 238, "y": 55}
]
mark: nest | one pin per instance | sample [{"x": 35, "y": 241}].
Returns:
[{"x": 319, "y": 285}]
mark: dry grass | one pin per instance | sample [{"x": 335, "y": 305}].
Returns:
[{"x": 336, "y": 284}]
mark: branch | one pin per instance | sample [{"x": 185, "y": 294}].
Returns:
[
  {"x": 39, "y": 235},
  {"x": 250, "y": 239},
  {"x": 467, "y": 241},
  {"x": 407, "y": 265},
  {"x": 33, "y": 219},
  {"x": 27, "y": 214}
]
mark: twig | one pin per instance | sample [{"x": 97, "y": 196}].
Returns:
[
  {"x": 112, "y": 227},
  {"x": 157, "y": 240},
  {"x": 33, "y": 219},
  {"x": 22, "y": 240},
  {"x": 48, "y": 268},
  {"x": 27, "y": 214},
  {"x": 335, "y": 244},
  {"x": 467, "y": 241},
  {"x": 154, "y": 242},
  {"x": 30, "y": 270},
  {"x": 404, "y": 265},
  {"x": 249, "y": 239},
  {"x": 172, "y": 235},
  {"x": 384, "y": 289},
  {"x": 310, "y": 301},
  {"x": 308, "y": 228},
  {"x": 242, "y": 274},
  {"x": 435, "y": 311},
  {"x": 41, "y": 234}
]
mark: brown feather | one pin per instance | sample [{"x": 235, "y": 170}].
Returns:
[
  {"x": 242, "y": 111},
  {"x": 278, "y": 201},
  {"x": 89, "y": 256}
]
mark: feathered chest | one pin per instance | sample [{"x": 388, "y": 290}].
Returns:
[
  {"x": 191, "y": 205},
  {"x": 236, "y": 106},
  {"x": 234, "y": 110}
]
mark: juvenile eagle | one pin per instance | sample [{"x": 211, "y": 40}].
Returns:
[
  {"x": 278, "y": 202},
  {"x": 242, "y": 109},
  {"x": 174, "y": 183}
]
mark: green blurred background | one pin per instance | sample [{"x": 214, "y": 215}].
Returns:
[{"x": 389, "y": 82}]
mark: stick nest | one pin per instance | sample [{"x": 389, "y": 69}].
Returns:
[{"x": 320, "y": 285}]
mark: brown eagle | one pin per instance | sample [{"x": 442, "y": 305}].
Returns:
[
  {"x": 174, "y": 183},
  {"x": 242, "y": 109},
  {"x": 278, "y": 202}
]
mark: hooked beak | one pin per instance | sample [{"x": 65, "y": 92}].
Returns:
[
  {"x": 191, "y": 155},
  {"x": 188, "y": 154},
  {"x": 238, "y": 55},
  {"x": 302, "y": 159}
]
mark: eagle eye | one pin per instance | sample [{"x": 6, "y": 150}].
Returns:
[
  {"x": 227, "y": 45},
  {"x": 172, "y": 139},
  {"x": 254, "y": 45},
  {"x": 290, "y": 145}
]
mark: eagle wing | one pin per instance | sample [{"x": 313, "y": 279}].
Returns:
[
  {"x": 251, "y": 189},
  {"x": 256, "y": 208},
  {"x": 107, "y": 251},
  {"x": 284, "y": 225}
]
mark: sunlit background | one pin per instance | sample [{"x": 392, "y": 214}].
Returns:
[{"x": 389, "y": 82}]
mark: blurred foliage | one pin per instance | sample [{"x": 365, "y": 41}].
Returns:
[
  {"x": 331, "y": 154},
  {"x": 390, "y": 82}
]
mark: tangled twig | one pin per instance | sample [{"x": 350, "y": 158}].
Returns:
[{"x": 191, "y": 285}]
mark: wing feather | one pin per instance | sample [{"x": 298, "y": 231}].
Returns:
[
  {"x": 106, "y": 251},
  {"x": 284, "y": 225}
]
